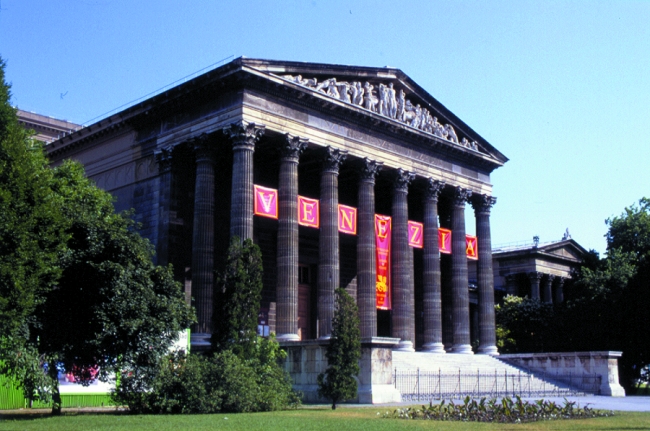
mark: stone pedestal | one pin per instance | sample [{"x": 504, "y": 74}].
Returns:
[{"x": 307, "y": 359}]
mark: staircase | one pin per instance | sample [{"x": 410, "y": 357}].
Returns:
[{"x": 421, "y": 376}]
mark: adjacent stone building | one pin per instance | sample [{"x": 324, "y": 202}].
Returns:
[{"x": 320, "y": 165}]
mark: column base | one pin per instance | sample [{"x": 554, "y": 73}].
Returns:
[
  {"x": 287, "y": 337},
  {"x": 488, "y": 350},
  {"x": 462, "y": 349},
  {"x": 434, "y": 348},
  {"x": 405, "y": 346}
]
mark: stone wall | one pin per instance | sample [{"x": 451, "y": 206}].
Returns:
[{"x": 603, "y": 363}]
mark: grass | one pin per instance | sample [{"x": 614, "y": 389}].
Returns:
[{"x": 304, "y": 419}]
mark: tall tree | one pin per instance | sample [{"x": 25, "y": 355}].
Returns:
[
  {"x": 338, "y": 382},
  {"x": 78, "y": 289},
  {"x": 237, "y": 299}
]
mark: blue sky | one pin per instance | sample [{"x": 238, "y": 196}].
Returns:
[{"x": 562, "y": 88}]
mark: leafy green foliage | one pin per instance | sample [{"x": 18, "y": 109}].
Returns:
[
  {"x": 78, "y": 288},
  {"x": 522, "y": 324},
  {"x": 338, "y": 382},
  {"x": 505, "y": 410},
  {"x": 237, "y": 299}
]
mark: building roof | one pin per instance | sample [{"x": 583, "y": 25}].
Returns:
[{"x": 47, "y": 129}]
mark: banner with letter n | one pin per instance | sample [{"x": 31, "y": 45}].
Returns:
[
  {"x": 471, "y": 247},
  {"x": 265, "y": 202},
  {"x": 347, "y": 219},
  {"x": 416, "y": 234},
  {"x": 382, "y": 242},
  {"x": 308, "y": 212},
  {"x": 444, "y": 240}
]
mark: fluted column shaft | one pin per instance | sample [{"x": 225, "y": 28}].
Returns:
[
  {"x": 534, "y": 277},
  {"x": 244, "y": 136},
  {"x": 511, "y": 284},
  {"x": 366, "y": 250},
  {"x": 432, "y": 282},
  {"x": 485, "y": 277},
  {"x": 548, "y": 289},
  {"x": 401, "y": 271},
  {"x": 203, "y": 235},
  {"x": 460, "y": 283},
  {"x": 163, "y": 158},
  {"x": 328, "y": 267},
  {"x": 287, "y": 259},
  {"x": 559, "y": 291}
]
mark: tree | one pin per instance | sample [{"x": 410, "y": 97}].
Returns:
[
  {"x": 78, "y": 289},
  {"x": 32, "y": 237},
  {"x": 338, "y": 382},
  {"x": 523, "y": 324},
  {"x": 607, "y": 308},
  {"x": 237, "y": 299}
]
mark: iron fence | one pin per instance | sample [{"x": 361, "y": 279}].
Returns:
[{"x": 417, "y": 385}]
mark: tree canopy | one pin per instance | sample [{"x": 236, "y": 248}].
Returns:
[{"x": 78, "y": 289}]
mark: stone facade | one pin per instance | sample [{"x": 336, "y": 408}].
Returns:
[{"x": 367, "y": 138}]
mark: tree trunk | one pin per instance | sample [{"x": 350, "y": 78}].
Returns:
[{"x": 56, "y": 394}]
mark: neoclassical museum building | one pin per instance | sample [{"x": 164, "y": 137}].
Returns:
[{"x": 345, "y": 176}]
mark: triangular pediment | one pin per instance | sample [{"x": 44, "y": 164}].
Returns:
[
  {"x": 386, "y": 93},
  {"x": 566, "y": 249}
]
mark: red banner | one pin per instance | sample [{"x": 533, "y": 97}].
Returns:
[
  {"x": 416, "y": 234},
  {"x": 347, "y": 219},
  {"x": 308, "y": 212},
  {"x": 444, "y": 240},
  {"x": 382, "y": 241},
  {"x": 266, "y": 202},
  {"x": 471, "y": 247}
]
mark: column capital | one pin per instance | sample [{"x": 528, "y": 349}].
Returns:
[
  {"x": 202, "y": 147},
  {"x": 369, "y": 169},
  {"x": 244, "y": 135},
  {"x": 461, "y": 196},
  {"x": 433, "y": 189},
  {"x": 332, "y": 159},
  {"x": 402, "y": 180},
  {"x": 292, "y": 147},
  {"x": 535, "y": 275},
  {"x": 163, "y": 157},
  {"x": 483, "y": 203},
  {"x": 560, "y": 280}
]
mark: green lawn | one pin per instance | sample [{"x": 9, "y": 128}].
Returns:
[{"x": 342, "y": 419}]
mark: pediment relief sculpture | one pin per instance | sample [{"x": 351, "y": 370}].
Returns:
[{"x": 384, "y": 100}]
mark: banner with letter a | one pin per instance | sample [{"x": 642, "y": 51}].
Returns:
[
  {"x": 382, "y": 242},
  {"x": 471, "y": 247},
  {"x": 266, "y": 202}
]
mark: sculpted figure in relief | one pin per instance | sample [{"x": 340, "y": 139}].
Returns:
[
  {"x": 370, "y": 101},
  {"x": 383, "y": 100},
  {"x": 451, "y": 133},
  {"x": 417, "y": 117},
  {"x": 332, "y": 90},
  {"x": 392, "y": 101},
  {"x": 343, "y": 88},
  {"x": 401, "y": 103},
  {"x": 357, "y": 93}
]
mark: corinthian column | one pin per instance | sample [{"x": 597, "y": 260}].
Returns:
[
  {"x": 534, "y": 277},
  {"x": 328, "y": 266},
  {"x": 547, "y": 296},
  {"x": 460, "y": 283},
  {"x": 559, "y": 291},
  {"x": 401, "y": 271},
  {"x": 287, "y": 260},
  {"x": 485, "y": 277},
  {"x": 243, "y": 136},
  {"x": 163, "y": 158},
  {"x": 432, "y": 283},
  {"x": 366, "y": 249},
  {"x": 203, "y": 234}
]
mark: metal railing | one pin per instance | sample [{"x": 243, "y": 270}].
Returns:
[{"x": 417, "y": 385}]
